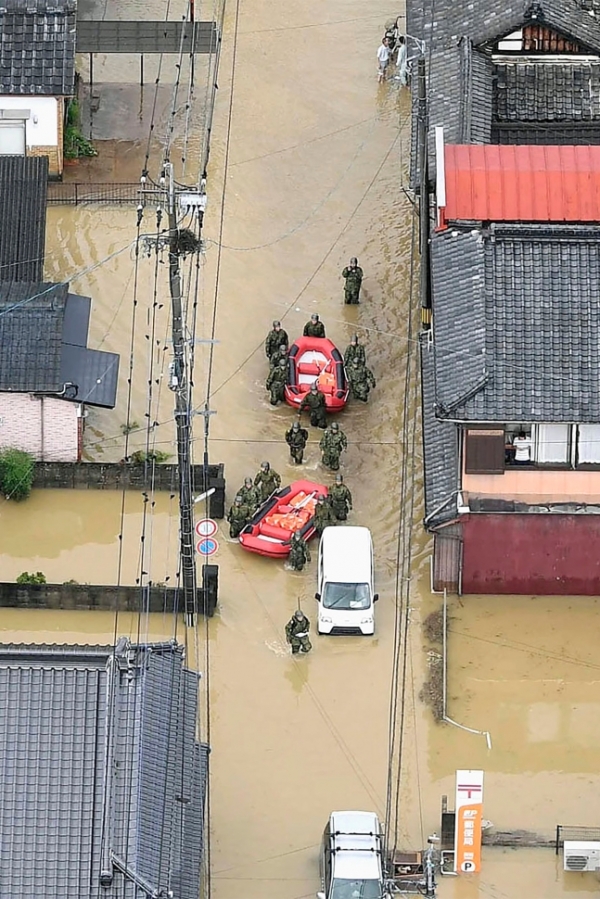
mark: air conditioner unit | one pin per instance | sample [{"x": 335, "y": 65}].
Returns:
[{"x": 581, "y": 856}]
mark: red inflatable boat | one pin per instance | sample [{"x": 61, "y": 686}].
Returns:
[
  {"x": 316, "y": 360},
  {"x": 288, "y": 510}
]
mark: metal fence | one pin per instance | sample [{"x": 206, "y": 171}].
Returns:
[
  {"x": 75, "y": 193},
  {"x": 575, "y": 832}
]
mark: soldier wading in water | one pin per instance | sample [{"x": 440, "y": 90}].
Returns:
[
  {"x": 296, "y": 439},
  {"x": 299, "y": 552},
  {"x": 296, "y": 632}
]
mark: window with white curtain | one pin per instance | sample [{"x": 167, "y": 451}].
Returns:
[
  {"x": 588, "y": 444},
  {"x": 552, "y": 444}
]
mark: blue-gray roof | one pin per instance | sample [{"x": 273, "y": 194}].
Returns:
[
  {"x": 102, "y": 780},
  {"x": 43, "y": 334},
  {"x": 37, "y": 47},
  {"x": 516, "y": 321}
]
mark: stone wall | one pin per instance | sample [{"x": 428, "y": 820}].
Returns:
[{"x": 117, "y": 476}]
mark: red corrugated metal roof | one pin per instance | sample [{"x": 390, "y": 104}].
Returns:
[{"x": 522, "y": 183}]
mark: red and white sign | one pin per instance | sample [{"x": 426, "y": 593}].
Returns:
[
  {"x": 469, "y": 810},
  {"x": 206, "y": 528}
]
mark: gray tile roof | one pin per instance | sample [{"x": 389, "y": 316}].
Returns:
[
  {"x": 444, "y": 22},
  {"x": 31, "y": 336},
  {"x": 473, "y": 98},
  {"x": 440, "y": 447},
  {"x": 37, "y": 47},
  {"x": 516, "y": 321},
  {"x": 23, "y": 192},
  {"x": 42, "y": 329},
  {"x": 102, "y": 782}
]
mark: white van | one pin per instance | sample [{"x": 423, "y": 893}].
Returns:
[
  {"x": 345, "y": 582},
  {"x": 351, "y": 857}
]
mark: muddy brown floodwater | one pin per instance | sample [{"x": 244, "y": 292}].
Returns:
[{"x": 316, "y": 164}]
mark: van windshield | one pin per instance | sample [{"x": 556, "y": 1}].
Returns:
[
  {"x": 355, "y": 889},
  {"x": 346, "y": 596}
]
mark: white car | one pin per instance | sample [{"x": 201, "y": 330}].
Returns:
[
  {"x": 345, "y": 582},
  {"x": 351, "y": 857}
]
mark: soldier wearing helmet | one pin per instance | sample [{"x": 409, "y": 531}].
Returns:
[
  {"x": 353, "y": 276},
  {"x": 296, "y": 632},
  {"x": 275, "y": 338},
  {"x": 266, "y": 481},
  {"x": 315, "y": 327},
  {"x": 296, "y": 438}
]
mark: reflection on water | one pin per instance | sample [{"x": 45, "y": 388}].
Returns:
[{"x": 315, "y": 177}]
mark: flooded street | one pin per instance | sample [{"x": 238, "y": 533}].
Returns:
[{"x": 315, "y": 162}]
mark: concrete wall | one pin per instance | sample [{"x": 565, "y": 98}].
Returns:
[
  {"x": 43, "y": 129},
  {"x": 535, "y": 485},
  {"x": 46, "y": 427},
  {"x": 116, "y": 476},
  {"x": 86, "y": 597},
  {"x": 531, "y": 553}
]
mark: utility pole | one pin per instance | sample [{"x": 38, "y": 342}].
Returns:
[
  {"x": 179, "y": 385},
  {"x": 424, "y": 193},
  {"x": 178, "y": 242}
]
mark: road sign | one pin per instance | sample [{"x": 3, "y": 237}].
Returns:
[
  {"x": 469, "y": 807},
  {"x": 206, "y": 528},
  {"x": 207, "y": 546}
]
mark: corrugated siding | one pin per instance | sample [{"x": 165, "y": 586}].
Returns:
[
  {"x": 23, "y": 191},
  {"x": 533, "y": 553}
]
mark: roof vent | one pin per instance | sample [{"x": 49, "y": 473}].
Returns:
[{"x": 535, "y": 12}]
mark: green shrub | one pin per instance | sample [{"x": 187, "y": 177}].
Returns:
[
  {"x": 16, "y": 473},
  {"x": 157, "y": 456},
  {"x": 30, "y": 578}
]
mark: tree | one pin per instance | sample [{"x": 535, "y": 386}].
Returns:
[{"x": 16, "y": 473}]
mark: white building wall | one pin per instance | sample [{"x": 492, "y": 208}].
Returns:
[
  {"x": 41, "y": 129},
  {"x": 45, "y": 427}
]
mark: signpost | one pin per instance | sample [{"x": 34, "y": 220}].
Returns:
[
  {"x": 206, "y": 528},
  {"x": 467, "y": 833},
  {"x": 207, "y": 546}
]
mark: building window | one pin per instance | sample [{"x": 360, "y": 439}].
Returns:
[
  {"x": 484, "y": 452},
  {"x": 552, "y": 444},
  {"x": 588, "y": 444}
]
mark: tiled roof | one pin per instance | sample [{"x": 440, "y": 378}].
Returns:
[
  {"x": 37, "y": 47},
  {"x": 31, "y": 336},
  {"x": 526, "y": 91},
  {"x": 102, "y": 782},
  {"x": 445, "y": 21},
  {"x": 440, "y": 447},
  {"x": 42, "y": 334},
  {"x": 23, "y": 190},
  {"x": 516, "y": 320}
]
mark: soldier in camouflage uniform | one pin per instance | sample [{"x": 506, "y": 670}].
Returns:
[
  {"x": 275, "y": 338},
  {"x": 249, "y": 495},
  {"x": 355, "y": 351},
  {"x": 323, "y": 515},
  {"x": 296, "y": 439},
  {"x": 280, "y": 353},
  {"x": 299, "y": 552},
  {"x": 361, "y": 380},
  {"x": 314, "y": 328},
  {"x": 296, "y": 632},
  {"x": 238, "y": 517},
  {"x": 276, "y": 382},
  {"x": 314, "y": 401},
  {"x": 266, "y": 481},
  {"x": 333, "y": 442},
  {"x": 353, "y": 275},
  {"x": 340, "y": 498}
]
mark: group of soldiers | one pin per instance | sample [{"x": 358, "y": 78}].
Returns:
[
  {"x": 335, "y": 507},
  {"x": 360, "y": 377},
  {"x": 254, "y": 492}
]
